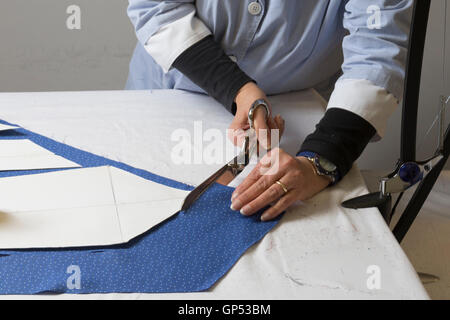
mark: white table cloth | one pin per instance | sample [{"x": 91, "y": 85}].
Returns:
[{"x": 319, "y": 250}]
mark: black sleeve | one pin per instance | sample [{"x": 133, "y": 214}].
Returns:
[
  {"x": 206, "y": 64},
  {"x": 341, "y": 136}
]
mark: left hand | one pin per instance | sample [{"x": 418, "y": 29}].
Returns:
[
  {"x": 260, "y": 188},
  {"x": 263, "y": 123}
]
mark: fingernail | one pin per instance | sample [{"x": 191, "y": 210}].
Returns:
[
  {"x": 264, "y": 217},
  {"x": 235, "y": 205},
  {"x": 244, "y": 211}
]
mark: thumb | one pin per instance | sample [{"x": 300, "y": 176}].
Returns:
[{"x": 262, "y": 128}]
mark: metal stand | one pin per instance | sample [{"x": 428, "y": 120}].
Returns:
[
  {"x": 409, "y": 119},
  {"x": 421, "y": 194}
]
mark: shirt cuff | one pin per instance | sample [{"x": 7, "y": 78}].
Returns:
[
  {"x": 372, "y": 103},
  {"x": 173, "y": 39}
]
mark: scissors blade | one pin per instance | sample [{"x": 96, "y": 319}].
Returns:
[
  {"x": 366, "y": 201},
  {"x": 226, "y": 174},
  {"x": 223, "y": 176},
  {"x": 372, "y": 200}
]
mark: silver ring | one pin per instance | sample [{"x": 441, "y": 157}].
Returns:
[
  {"x": 256, "y": 105},
  {"x": 282, "y": 185}
]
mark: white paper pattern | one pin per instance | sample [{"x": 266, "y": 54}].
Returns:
[
  {"x": 81, "y": 207},
  {"x": 26, "y": 155}
]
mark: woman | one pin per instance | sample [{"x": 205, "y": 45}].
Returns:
[{"x": 239, "y": 51}]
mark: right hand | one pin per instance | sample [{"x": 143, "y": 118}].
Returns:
[{"x": 246, "y": 96}]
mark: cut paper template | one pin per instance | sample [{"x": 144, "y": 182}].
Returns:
[
  {"x": 24, "y": 147},
  {"x": 4, "y": 127},
  {"x": 22, "y": 154},
  {"x": 69, "y": 208},
  {"x": 187, "y": 253}
]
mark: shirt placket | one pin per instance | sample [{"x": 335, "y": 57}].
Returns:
[{"x": 255, "y": 9}]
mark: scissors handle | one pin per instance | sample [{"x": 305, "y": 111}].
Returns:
[{"x": 251, "y": 113}]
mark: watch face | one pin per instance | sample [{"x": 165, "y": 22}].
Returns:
[{"x": 327, "y": 165}]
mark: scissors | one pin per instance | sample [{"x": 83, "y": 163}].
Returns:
[{"x": 232, "y": 169}]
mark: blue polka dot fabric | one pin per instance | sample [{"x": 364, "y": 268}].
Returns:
[{"x": 187, "y": 253}]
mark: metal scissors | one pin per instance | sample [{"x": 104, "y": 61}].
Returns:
[{"x": 232, "y": 169}]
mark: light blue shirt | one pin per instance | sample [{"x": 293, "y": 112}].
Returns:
[{"x": 290, "y": 45}]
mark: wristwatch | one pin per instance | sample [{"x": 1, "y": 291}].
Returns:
[{"x": 322, "y": 166}]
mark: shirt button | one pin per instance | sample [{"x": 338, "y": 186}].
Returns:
[
  {"x": 254, "y": 8},
  {"x": 233, "y": 58}
]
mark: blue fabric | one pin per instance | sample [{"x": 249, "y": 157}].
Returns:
[
  {"x": 290, "y": 46},
  {"x": 187, "y": 253}
]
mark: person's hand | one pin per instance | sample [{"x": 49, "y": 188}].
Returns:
[
  {"x": 260, "y": 188},
  {"x": 246, "y": 96}
]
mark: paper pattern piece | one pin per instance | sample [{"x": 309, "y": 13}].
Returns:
[
  {"x": 185, "y": 254},
  {"x": 23, "y": 154},
  {"x": 68, "y": 208},
  {"x": 24, "y": 147},
  {"x": 83, "y": 158}
]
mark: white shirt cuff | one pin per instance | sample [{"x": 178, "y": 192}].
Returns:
[
  {"x": 362, "y": 97},
  {"x": 173, "y": 39}
]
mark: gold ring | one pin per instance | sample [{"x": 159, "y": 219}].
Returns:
[{"x": 282, "y": 185}]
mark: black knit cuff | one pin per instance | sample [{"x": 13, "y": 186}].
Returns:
[
  {"x": 206, "y": 64},
  {"x": 341, "y": 137}
]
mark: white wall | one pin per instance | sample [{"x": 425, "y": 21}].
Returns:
[{"x": 39, "y": 53}]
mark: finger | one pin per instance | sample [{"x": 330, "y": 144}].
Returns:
[
  {"x": 262, "y": 128},
  {"x": 251, "y": 179},
  {"x": 276, "y": 126},
  {"x": 236, "y": 136},
  {"x": 281, "y": 205},
  {"x": 280, "y": 124},
  {"x": 236, "y": 130},
  {"x": 272, "y": 124},
  {"x": 240, "y": 136},
  {"x": 240, "y": 119},
  {"x": 274, "y": 193},
  {"x": 262, "y": 168},
  {"x": 254, "y": 191}
]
